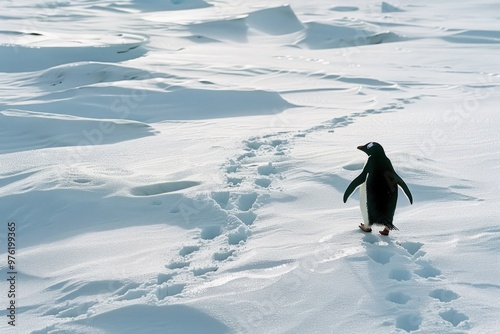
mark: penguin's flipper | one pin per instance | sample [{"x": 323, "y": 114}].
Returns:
[
  {"x": 354, "y": 184},
  {"x": 405, "y": 188}
]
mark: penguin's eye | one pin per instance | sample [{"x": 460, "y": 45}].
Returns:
[{"x": 369, "y": 146}]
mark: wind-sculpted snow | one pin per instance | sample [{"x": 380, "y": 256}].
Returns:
[
  {"x": 275, "y": 21},
  {"x": 152, "y": 319},
  {"x": 143, "y": 104},
  {"x": 159, "y": 5},
  {"x": 41, "y": 50},
  {"x": 282, "y": 24},
  {"x": 27, "y": 130},
  {"x": 344, "y": 34},
  {"x": 81, "y": 74},
  {"x": 178, "y": 166}
]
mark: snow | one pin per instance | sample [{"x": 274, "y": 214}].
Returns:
[{"x": 179, "y": 166}]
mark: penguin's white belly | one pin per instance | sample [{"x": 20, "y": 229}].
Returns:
[{"x": 363, "y": 203}]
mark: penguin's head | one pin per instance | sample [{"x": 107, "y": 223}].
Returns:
[{"x": 372, "y": 149}]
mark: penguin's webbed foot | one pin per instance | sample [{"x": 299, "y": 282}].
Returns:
[
  {"x": 365, "y": 228},
  {"x": 385, "y": 231}
]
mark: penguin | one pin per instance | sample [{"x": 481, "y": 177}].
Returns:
[{"x": 379, "y": 191}]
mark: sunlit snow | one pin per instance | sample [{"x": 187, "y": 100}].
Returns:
[{"x": 179, "y": 166}]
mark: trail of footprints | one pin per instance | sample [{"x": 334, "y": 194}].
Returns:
[
  {"x": 220, "y": 223},
  {"x": 408, "y": 270},
  {"x": 230, "y": 213}
]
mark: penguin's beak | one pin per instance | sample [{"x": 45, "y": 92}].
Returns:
[{"x": 362, "y": 148}]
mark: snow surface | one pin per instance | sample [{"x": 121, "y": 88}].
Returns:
[{"x": 179, "y": 166}]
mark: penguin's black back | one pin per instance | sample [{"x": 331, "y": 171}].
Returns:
[{"x": 381, "y": 190}]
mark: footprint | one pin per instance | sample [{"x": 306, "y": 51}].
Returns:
[
  {"x": 370, "y": 238},
  {"x": 253, "y": 144},
  {"x": 210, "y": 232},
  {"x": 263, "y": 182},
  {"x": 240, "y": 235},
  {"x": 427, "y": 271},
  {"x": 278, "y": 142},
  {"x": 398, "y": 297},
  {"x": 203, "y": 271},
  {"x": 167, "y": 290},
  {"x": 409, "y": 322},
  {"x": 163, "y": 278},
  {"x": 267, "y": 169},
  {"x": 186, "y": 250},
  {"x": 247, "y": 217},
  {"x": 234, "y": 181},
  {"x": 453, "y": 317},
  {"x": 412, "y": 247},
  {"x": 444, "y": 295},
  {"x": 232, "y": 169},
  {"x": 380, "y": 255},
  {"x": 246, "y": 155},
  {"x": 222, "y": 255},
  {"x": 222, "y": 198},
  {"x": 177, "y": 265},
  {"x": 246, "y": 201},
  {"x": 400, "y": 274}
]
